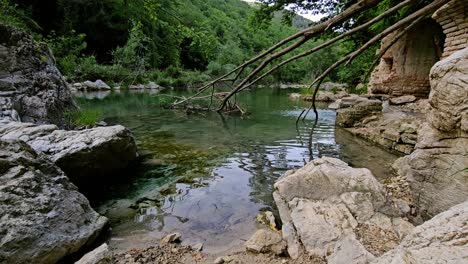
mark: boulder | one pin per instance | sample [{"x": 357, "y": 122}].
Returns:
[
  {"x": 353, "y": 109},
  {"x": 96, "y": 85},
  {"x": 443, "y": 239},
  {"x": 43, "y": 216},
  {"x": 100, "y": 255},
  {"x": 82, "y": 154},
  {"x": 295, "y": 96},
  {"x": 323, "y": 204},
  {"x": 266, "y": 241},
  {"x": 449, "y": 93},
  {"x": 400, "y": 100},
  {"x": 171, "y": 238},
  {"x": 31, "y": 87}
]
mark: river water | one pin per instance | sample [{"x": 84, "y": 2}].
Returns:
[{"x": 207, "y": 176}]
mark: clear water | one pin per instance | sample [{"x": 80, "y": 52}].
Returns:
[{"x": 208, "y": 176}]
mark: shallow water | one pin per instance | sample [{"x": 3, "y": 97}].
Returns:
[{"x": 208, "y": 176}]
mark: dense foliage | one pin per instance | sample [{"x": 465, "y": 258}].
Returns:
[{"x": 172, "y": 42}]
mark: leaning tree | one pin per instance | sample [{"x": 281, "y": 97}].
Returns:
[{"x": 346, "y": 19}]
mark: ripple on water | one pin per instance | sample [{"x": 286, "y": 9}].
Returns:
[{"x": 223, "y": 170}]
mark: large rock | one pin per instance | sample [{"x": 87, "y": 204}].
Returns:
[
  {"x": 354, "y": 109},
  {"x": 443, "y": 239},
  {"x": 43, "y": 216},
  {"x": 266, "y": 241},
  {"x": 449, "y": 93},
  {"x": 323, "y": 204},
  {"x": 436, "y": 170},
  {"x": 96, "y": 85},
  {"x": 100, "y": 151},
  {"x": 31, "y": 87}
]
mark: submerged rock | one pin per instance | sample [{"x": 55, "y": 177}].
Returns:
[
  {"x": 30, "y": 84},
  {"x": 100, "y": 151},
  {"x": 44, "y": 217}
]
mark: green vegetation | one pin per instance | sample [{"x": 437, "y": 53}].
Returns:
[
  {"x": 85, "y": 117},
  {"x": 173, "y": 43}
]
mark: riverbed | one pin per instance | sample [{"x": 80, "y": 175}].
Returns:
[{"x": 207, "y": 176}]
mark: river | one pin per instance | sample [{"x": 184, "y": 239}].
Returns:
[{"x": 207, "y": 176}]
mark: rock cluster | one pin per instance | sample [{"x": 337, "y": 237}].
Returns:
[
  {"x": 31, "y": 87},
  {"x": 44, "y": 217},
  {"x": 82, "y": 154},
  {"x": 325, "y": 203}
]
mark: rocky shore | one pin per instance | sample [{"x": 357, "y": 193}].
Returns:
[{"x": 44, "y": 217}]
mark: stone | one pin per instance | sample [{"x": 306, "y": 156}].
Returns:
[
  {"x": 30, "y": 84},
  {"x": 136, "y": 87},
  {"x": 295, "y": 96},
  {"x": 44, "y": 217},
  {"x": 442, "y": 239},
  {"x": 82, "y": 154},
  {"x": 358, "y": 109},
  {"x": 100, "y": 255},
  {"x": 400, "y": 100},
  {"x": 96, "y": 85},
  {"x": 171, "y": 238},
  {"x": 265, "y": 241},
  {"x": 322, "y": 205},
  {"x": 267, "y": 218},
  {"x": 449, "y": 93},
  {"x": 152, "y": 85},
  {"x": 198, "y": 247},
  {"x": 218, "y": 260},
  {"x": 329, "y": 177},
  {"x": 350, "y": 250}
]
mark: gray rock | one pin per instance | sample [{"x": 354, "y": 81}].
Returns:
[
  {"x": 350, "y": 250},
  {"x": 443, "y": 239},
  {"x": 449, "y": 93},
  {"x": 44, "y": 217},
  {"x": 152, "y": 85},
  {"x": 198, "y": 247},
  {"x": 322, "y": 204},
  {"x": 96, "y": 85},
  {"x": 100, "y": 255},
  {"x": 30, "y": 83},
  {"x": 265, "y": 241},
  {"x": 402, "y": 99},
  {"x": 100, "y": 151},
  {"x": 171, "y": 238},
  {"x": 436, "y": 169},
  {"x": 354, "y": 109}
]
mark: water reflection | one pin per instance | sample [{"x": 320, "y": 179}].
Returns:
[{"x": 217, "y": 206}]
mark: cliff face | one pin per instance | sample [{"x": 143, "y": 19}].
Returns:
[{"x": 31, "y": 87}]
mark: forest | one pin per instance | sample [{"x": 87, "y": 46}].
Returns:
[{"x": 180, "y": 43}]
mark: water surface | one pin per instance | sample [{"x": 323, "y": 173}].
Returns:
[{"x": 207, "y": 176}]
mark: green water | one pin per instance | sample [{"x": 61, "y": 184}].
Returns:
[{"x": 206, "y": 175}]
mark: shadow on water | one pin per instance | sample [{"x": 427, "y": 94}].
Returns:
[{"x": 207, "y": 176}]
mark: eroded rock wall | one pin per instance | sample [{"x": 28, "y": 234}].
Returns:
[{"x": 404, "y": 68}]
